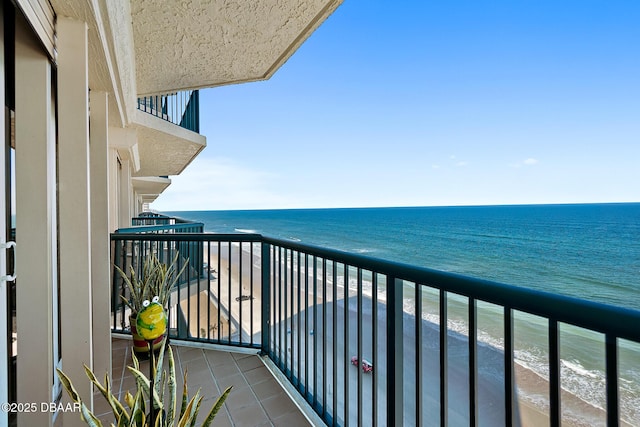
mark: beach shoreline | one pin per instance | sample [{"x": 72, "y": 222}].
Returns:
[{"x": 532, "y": 389}]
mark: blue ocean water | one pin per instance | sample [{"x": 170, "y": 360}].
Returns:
[{"x": 590, "y": 251}]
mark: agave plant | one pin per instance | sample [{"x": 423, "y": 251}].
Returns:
[
  {"x": 136, "y": 415},
  {"x": 157, "y": 279}
]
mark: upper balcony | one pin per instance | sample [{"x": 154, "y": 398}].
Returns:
[
  {"x": 364, "y": 341},
  {"x": 179, "y": 108},
  {"x": 167, "y": 129}
]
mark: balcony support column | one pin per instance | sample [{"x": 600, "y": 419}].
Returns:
[
  {"x": 126, "y": 194},
  {"x": 100, "y": 248},
  {"x": 75, "y": 212},
  {"x": 36, "y": 282}
]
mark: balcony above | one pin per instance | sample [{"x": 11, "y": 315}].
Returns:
[
  {"x": 150, "y": 187},
  {"x": 189, "y": 45},
  {"x": 165, "y": 144}
]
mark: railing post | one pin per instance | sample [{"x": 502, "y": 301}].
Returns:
[
  {"x": 116, "y": 254},
  {"x": 196, "y": 112},
  {"x": 444, "y": 359},
  {"x": 395, "y": 352},
  {"x": 554, "y": 374},
  {"x": 266, "y": 296},
  {"x": 611, "y": 360},
  {"x": 509, "y": 385}
]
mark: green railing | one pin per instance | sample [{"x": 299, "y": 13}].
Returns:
[
  {"x": 179, "y": 108},
  {"x": 317, "y": 312}
]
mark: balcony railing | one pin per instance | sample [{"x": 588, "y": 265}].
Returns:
[
  {"x": 180, "y": 108},
  {"x": 151, "y": 222},
  {"x": 316, "y": 312}
]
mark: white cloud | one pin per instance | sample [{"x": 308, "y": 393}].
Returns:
[
  {"x": 527, "y": 162},
  {"x": 462, "y": 164},
  {"x": 218, "y": 183}
]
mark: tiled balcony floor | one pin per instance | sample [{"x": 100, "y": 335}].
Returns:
[{"x": 255, "y": 400}]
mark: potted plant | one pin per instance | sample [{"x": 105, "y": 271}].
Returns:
[
  {"x": 135, "y": 414},
  {"x": 154, "y": 284}
]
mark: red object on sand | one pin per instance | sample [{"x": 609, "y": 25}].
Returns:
[{"x": 367, "y": 366}]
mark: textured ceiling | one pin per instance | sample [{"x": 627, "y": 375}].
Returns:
[
  {"x": 149, "y": 187},
  {"x": 164, "y": 148},
  {"x": 111, "y": 64},
  {"x": 194, "y": 44}
]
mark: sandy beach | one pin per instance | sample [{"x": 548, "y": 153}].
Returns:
[
  {"x": 228, "y": 285},
  {"x": 222, "y": 296}
]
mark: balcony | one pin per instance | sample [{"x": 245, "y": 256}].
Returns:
[
  {"x": 258, "y": 398},
  {"x": 180, "y": 108},
  {"x": 321, "y": 318},
  {"x": 167, "y": 128}
]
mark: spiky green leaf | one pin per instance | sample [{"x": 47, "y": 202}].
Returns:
[
  {"x": 185, "y": 395},
  {"x": 172, "y": 389},
  {"x": 85, "y": 413},
  {"x": 128, "y": 398},
  {"x": 143, "y": 384},
  {"x": 196, "y": 410},
  {"x": 187, "y": 416},
  {"x": 216, "y": 407}
]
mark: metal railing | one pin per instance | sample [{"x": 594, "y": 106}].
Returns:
[
  {"x": 162, "y": 224},
  {"x": 151, "y": 220},
  {"x": 316, "y": 312},
  {"x": 215, "y": 298},
  {"x": 179, "y": 108}
]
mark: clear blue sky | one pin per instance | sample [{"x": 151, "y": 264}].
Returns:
[{"x": 421, "y": 103}]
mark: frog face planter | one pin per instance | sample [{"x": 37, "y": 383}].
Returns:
[{"x": 151, "y": 322}]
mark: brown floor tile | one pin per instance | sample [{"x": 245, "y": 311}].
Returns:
[
  {"x": 258, "y": 375},
  {"x": 291, "y": 419},
  {"x": 255, "y": 400},
  {"x": 239, "y": 356},
  {"x": 221, "y": 419},
  {"x": 249, "y": 363},
  {"x": 217, "y": 358},
  {"x": 223, "y": 371},
  {"x": 249, "y": 416},
  {"x": 267, "y": 389},
  {"x": 196, "y": 367},
  {"x": 185, "y": 353},
  {"x": 241, "y": 398},
  {"x": 100, "y": 405},
  {"x": 278, "y": 406},
  {"x": 237, "y": 381}
]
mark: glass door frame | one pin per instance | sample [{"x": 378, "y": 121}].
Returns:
[{"x": 5, "y": 197}]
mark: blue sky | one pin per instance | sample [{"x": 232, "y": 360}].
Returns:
[{"x": 423, "y": 103}]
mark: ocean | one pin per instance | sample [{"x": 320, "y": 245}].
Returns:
[{"x": 589, "y": 251}]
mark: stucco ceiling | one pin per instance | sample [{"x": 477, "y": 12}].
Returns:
[
  {"x": 149, "y": 188},
  {"x": 164, "y": 148},
  {"x": 197, "y": 43}
]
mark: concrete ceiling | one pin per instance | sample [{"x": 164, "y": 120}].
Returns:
[
  {"x": 164, "y": 148},
  {"x": 196, "y": 43},
  {"x": 149, "y": 188},
  {"x": 111, "y": 60}
]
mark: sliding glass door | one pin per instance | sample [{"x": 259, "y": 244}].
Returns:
[{"x": 7, "y": 225}]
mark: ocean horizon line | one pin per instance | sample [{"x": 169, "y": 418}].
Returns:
[{"x": 499, "y": 205}]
